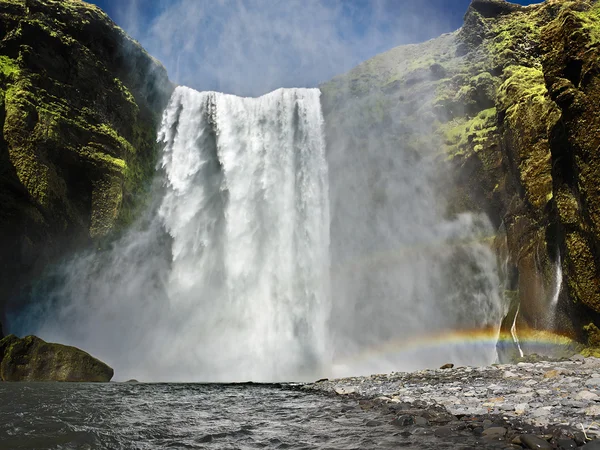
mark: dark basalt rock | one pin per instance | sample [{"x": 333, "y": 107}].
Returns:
[
  {"x": 493, "y": 8},
  {"x": 32, "y": 359}
]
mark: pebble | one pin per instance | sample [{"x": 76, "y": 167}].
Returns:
[
  {"x": 533, "y": 442},
  {"x": 521, "y": 408},
  {"x": 566, "y": 444},
  {"x": 587, "y": 395},
  {"x": 593, "y": 382},
  {"x": 494, "y": 433},
  {"x": 593, "y": 410}
]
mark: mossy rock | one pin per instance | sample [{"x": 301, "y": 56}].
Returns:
[{"x": 32, "y": 359}]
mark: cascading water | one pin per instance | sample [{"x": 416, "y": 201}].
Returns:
[
  {"x": 228, "y": 278},
  {"x": 247, "y": 208}
]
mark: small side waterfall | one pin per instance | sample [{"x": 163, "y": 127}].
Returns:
[{"x": 558, "y": 280}]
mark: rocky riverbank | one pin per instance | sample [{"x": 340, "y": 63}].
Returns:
[{"x": 533, "y": 405}]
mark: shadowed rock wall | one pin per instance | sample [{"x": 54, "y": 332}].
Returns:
[{"x": 79, "y": 106}]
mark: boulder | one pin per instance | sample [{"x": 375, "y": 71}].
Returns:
[{"x": 32, "y": 359}]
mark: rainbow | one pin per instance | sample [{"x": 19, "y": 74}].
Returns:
[{"x": 535, "y": 341}]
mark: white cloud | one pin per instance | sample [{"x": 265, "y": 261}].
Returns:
[{"x": 250, "y": 47}]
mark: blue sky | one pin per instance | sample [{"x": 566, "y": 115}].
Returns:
[{"x": 250, "y": 47}]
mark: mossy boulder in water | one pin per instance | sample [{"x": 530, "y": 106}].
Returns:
[{"x": 32, "y": 359}]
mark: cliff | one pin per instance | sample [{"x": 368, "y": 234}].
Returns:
[
  {"x": 79, "y": 106},
  {"x": 510, "y": 103}
]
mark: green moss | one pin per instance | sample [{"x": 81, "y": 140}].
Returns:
[
  {"x": 463, "y": 137},
  {"x": 590, "y": 21},
  {"x": 522, "y": 85},
  {"x": 515, "y": 37},
  {"x": 8, "y": 66},
  {"x": 593, "y": 335},
  {"x": 32, "y": 359},
  {"x": 126, "y": 93}
]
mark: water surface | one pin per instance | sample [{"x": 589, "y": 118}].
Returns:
[{"x": 191, "y": 416}]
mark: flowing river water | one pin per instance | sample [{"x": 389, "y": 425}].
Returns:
[{"x": 128, "y": 416}]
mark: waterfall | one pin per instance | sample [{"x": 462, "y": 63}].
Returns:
[
  {"x": 230, "y": 281},
  {"x": 247, "y": 208},
  {"x": 227, "y": 277}
]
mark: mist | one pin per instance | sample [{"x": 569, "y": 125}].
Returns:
[{"x": 277, "y": 246}]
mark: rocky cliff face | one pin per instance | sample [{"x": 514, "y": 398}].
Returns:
[
  {"x": 79, "y": 105},
  {"x": 510, "y": 102}
]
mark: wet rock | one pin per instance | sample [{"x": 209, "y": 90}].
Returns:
[
  {"x": 534, "y": 442},
  {"x": 443, "y": 432},
  {"x": 494, "y": 433},
  {"x": 566, "y": 444},
  {"x": 594, "y": 445},
  {"x": 403, "y": 421}
]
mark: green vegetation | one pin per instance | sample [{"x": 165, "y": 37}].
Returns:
[{"x": 465, "y": 137}]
